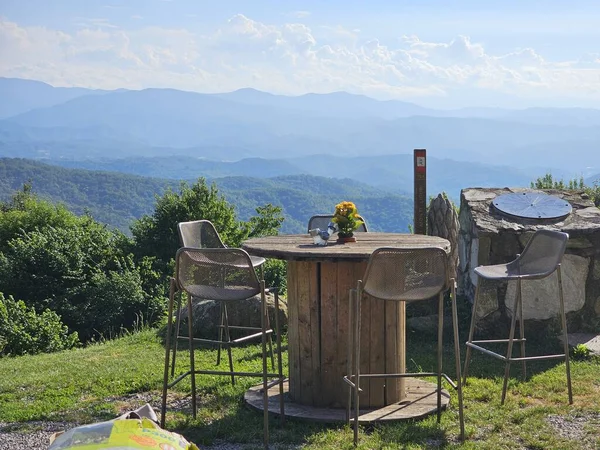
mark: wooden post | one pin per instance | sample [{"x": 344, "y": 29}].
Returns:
[{"x": 420, "y": 192}]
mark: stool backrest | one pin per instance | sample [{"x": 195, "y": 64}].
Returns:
[
  {"x": 406, "y": 274},
  {"x": 199, "y": 234},
  {"x": 216, "y": 273},
  {"x": 541, "y": 256}
]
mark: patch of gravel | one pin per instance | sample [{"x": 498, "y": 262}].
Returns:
[
  {"x": 29, "y": 435},
  {"x": 582, "y": 428}
]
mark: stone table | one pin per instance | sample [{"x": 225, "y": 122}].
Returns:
[{"x": 489, "y": 237}]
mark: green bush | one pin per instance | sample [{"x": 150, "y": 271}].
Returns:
[
  {"x": 77, "y": 268},
  {"x": 23, "y": 331}
]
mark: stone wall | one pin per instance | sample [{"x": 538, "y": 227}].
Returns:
[{"x": 489, "y": 237}]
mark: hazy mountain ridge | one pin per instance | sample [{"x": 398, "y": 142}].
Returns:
[
  {"x": 248, "y": 123},
  {"x": 20, "y": 95},
  {"x": 117, "y": 199}
]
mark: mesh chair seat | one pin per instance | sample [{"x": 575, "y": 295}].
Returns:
[
  {"x": 221, "y": 294},
  {"x": 405, "y": 275},
  {"x": 540, "y": 258},
  {"x": 222, "y": 274},
  {"x": 515, "y": 269}
]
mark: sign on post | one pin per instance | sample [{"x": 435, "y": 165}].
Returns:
[{"x": 420, "y": 192}]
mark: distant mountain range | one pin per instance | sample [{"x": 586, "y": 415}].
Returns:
[
  {"x": 117, "y": 199},
  {"x": 392, "y": 173},
  {"x": 43, "y": 122}
]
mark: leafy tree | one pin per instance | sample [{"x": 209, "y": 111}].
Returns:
[
  {"x": 157, "y": 235},
  {"x": 24, "y": 211}
]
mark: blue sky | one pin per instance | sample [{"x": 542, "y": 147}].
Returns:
[{"x": 432, "y": 52}]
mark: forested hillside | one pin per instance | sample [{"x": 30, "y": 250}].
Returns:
[{"x": 117, "y": 199}]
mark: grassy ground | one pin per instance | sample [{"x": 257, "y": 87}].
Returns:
[{"x": 99, "y": 382}]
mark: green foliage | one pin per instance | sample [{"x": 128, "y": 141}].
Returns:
[
  {"x": 547, "y": 182},
  {"x": 593, "y": 192},
  {"x": 275, "y": 273},
  {"x": 157, "y": 234},
  {"x": 74, "y": 266},
  {"x": 581, "y": 352},
  {"x": 23, "y": 331}
]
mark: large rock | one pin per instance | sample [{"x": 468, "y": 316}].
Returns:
[
  {"x": 206, "y": 315},
  {"x": 442, "y": 221},
  {"x": 540, "y": 297}
]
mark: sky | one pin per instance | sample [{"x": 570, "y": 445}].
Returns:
[{"x": 436, "y": 53}]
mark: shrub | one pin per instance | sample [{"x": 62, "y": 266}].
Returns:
[
  {"x": 23, "y": 331},
  {"x": 77, "y": 269}
]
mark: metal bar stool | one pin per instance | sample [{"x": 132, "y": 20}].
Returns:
[
  {"x": 541, "y": 257},
  {"x": 203, "y": 234},
  {"x": 404, "y": 275},
  {"x": 224, "y": 275}
]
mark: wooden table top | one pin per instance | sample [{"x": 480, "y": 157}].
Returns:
[{"x": 300, "y": 247}]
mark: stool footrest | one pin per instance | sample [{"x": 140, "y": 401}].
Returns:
[
  {"x": 225, "y": 343},
  {"x": 224, "y": 372},
  {"x": 400, "y": 375},
  {"x": 486, "y": 351},
  {"x": 518, "y": 358}
]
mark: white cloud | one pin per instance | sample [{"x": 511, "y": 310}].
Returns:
[
  {"x": 290, "y": 58},
  {"x": 298, "y": 14}
]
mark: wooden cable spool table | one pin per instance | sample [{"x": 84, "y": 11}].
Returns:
[{"x": 318, "y": 282}]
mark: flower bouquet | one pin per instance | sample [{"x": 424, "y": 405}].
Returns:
[{"x": 347, "y": 219}]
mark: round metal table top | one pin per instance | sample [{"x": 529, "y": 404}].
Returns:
[
  {"x": 532, "y": 205},
  {"x": 301, "y": 247}
]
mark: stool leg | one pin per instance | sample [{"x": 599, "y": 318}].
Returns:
[
  {"x": 357, "y": 324},
  {"x": 439, "y": 355},
  {"x": 263, "y": 323},
  {"x": 565, "y": 336},
  {"x": 220, "y": 332},
  {"x": 228, "y": 340},
  {"x": 510, "y": 340},
  {"x": 176, "y": 339},
  {"x": 349, "y": 365},
  {"x": 270, "y": 341},
  {"x": 163, "y": 407},
  {"x": 457, "y": 361},
  {"x": 191, "y": 344},
  {"x": 522, "y": 331},
  {"x": 279, "y": 361},
  {"x": 471, "y": 331}
]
